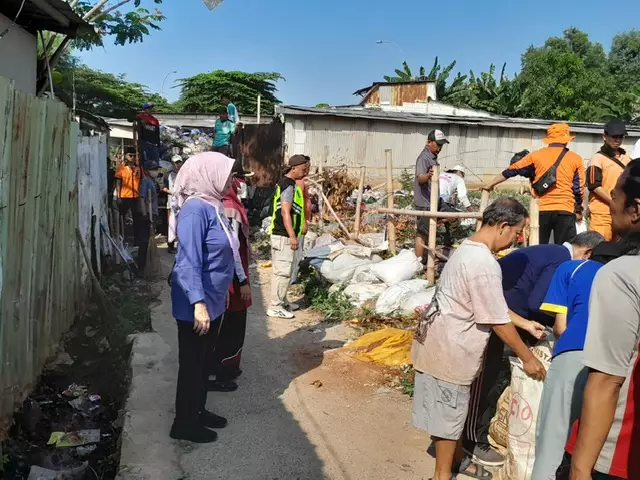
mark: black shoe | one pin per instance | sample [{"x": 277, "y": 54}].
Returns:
[
  {"x": 211, "y": 420},
  {"x": 172, "y": 248},
  {"x": 222, "y": 386},
  {"x": 193, "y": 433},
  {"x": 228, "y": 374}
]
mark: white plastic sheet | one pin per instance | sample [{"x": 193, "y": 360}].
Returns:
[
  {"x": 399, "y": 268},
  {"x": 392, "y": 299}
]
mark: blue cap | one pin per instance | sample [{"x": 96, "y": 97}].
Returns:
[
  {"x": 147, "y": 105},
  {"x": 151, "y": 165}
]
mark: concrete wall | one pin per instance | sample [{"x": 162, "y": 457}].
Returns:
[{"x": 18, "y": 56}]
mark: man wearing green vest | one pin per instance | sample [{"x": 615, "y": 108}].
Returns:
[{"x": 287, "y": 224}]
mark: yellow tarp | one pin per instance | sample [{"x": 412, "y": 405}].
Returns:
[{"x": 389, "y": 346}]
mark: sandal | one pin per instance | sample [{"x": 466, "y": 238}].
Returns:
[{"x": 481, "y": 473}]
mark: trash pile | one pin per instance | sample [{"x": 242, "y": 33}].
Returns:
[
  {"x": 363, "y": 276},
  {"x": 197, "y": 140}
]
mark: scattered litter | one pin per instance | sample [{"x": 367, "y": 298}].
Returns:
[
  {"x": 359, "y": 293},
  {"x": 94, "y": 398},
  {"x": 317, "y": 384},
  {"x": 265, "y": 265},
  {"x": 75, "y": 391},
  {"x": 74, "y": 473},
  {"x": 74, "y": 439},
  {"x": 85, "y": 450},
  {"x": 46, "y": 402}
]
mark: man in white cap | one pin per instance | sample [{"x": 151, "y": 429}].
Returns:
[
  {"x": 425, "y": 162},
  {"x": 453, "y": 189}
]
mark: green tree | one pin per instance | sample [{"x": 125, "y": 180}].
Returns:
[
  {"x": 495, "y": 95},
  {"x": 123, "y": 21},
  {"x": 564, "y": 78},
  {"x": 624, "y": 59},
  {"x": 101, "y": 93},
  {"x": 203, "y": 92}
]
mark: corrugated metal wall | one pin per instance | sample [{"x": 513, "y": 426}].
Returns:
[
  {"x": 353, "y": 142},
  {"x": 40, "y": 288}
]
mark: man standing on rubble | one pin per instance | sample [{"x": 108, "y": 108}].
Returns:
[
  {"x": 427, "y": 159},
  {"x": 223, "y": 132},
  {"x": 287, "y": 224}
]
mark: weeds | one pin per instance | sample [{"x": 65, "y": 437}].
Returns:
[
  {"x": 407, "y": 380},
  {"x": 335, "y": 306}
]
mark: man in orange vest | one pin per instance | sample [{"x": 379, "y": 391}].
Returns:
[{"x": 603, "y": 171}]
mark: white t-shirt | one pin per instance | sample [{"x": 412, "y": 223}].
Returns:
[
  {"x": 470, "y": 301},
  {"x": 635, "y": 153},
  {"x": 450, "y": 184}
]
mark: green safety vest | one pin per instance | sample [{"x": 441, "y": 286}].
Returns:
[{"x": 297, "y": 210}]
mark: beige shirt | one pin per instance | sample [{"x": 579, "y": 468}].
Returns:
[{"x": 470, "y": 301}]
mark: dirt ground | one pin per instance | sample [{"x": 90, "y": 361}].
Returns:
[{"x": 304, "y": 410}]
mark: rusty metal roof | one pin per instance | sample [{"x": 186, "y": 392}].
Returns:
[
  {"x": 50, "y": 15},
  {"x": 365, "y": 90}
]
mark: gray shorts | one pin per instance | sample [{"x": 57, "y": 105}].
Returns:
[{"x": 440, "y": 408}]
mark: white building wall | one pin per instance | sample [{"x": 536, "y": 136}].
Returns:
[{"x": 18, "y": 56}]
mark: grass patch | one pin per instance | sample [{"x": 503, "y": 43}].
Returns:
[{"x": 334, "y": 306}]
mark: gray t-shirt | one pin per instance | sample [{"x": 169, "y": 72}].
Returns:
[
  {"x": 287, "y": 194},
  {"x": 422, "y": 193},
  {"x": 611, "y": 347}
]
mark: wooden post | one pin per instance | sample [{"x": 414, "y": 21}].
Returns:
[
  {"x": 484, "y": 201},
  {"x": 391, "y": 228},
  {"x": 356, "y": 228},
  {"x": 534, "y": 221},
  {"x": 433, "y": 225}
]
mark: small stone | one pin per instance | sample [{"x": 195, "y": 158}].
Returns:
[{"x": 317, "y": 384}]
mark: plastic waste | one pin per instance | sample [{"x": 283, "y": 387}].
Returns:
[
  {"x": 417, "y": 301},
  {"x": 399, "y": 268},
  {"x": 391, "y": 300},
  {"x": 359, "y": 293},
  {"x": 340, "y": 270},
  {"x": 389, "y": 346}
]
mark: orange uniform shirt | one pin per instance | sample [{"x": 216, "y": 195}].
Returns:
[
  {"x": 130, "y": 177},
  {"x": 603, "y": 172},
  {"x": 568, "y": 192}
]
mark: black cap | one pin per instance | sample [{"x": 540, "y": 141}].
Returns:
[
  {"x": 296, "y": 160},
  {"x": 239, "y": 171},
  {"x": 151, "y": 165},
  {"x": 615, "y": 128},
  {"x": 130, "y": 150}
]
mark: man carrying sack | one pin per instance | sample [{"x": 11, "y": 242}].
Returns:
[{"x": 558, "y": 180}]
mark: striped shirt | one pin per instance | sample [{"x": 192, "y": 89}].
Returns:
[{"x": 611, "y": 347}]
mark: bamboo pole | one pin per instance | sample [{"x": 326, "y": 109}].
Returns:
[
  {"x": 391, "y": 228},
  {"x": 484, "y": 201},
  {"x": 330, "y": 208},
  {"x": 433, "y": 224},
  {"x": 356, "y": 228},
  {"x": 534, "y": 221},
  {"x": 427, "y": 213}
]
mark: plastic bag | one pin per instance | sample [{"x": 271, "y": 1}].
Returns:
[
  {"x": 359, "y": 293},
  {"x": 341, "y": 269},
  {"x": 393, "y": 297},
  {"x": 417, "y": 301},
  {"x": 526, "y": 394},
  {"x": 389, "y": 346},
  {"x": 399, "y": 268}
]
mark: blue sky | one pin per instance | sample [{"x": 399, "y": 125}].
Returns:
[{"x": 326, "y": 49}]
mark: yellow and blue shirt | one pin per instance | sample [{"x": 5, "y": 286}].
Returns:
[{"x": 569, "y": 294}]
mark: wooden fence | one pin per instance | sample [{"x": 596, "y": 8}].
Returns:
[{"x": 41, "y": 290}]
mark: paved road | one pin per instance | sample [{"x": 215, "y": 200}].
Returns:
[{"x": 281, "y": 425}]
